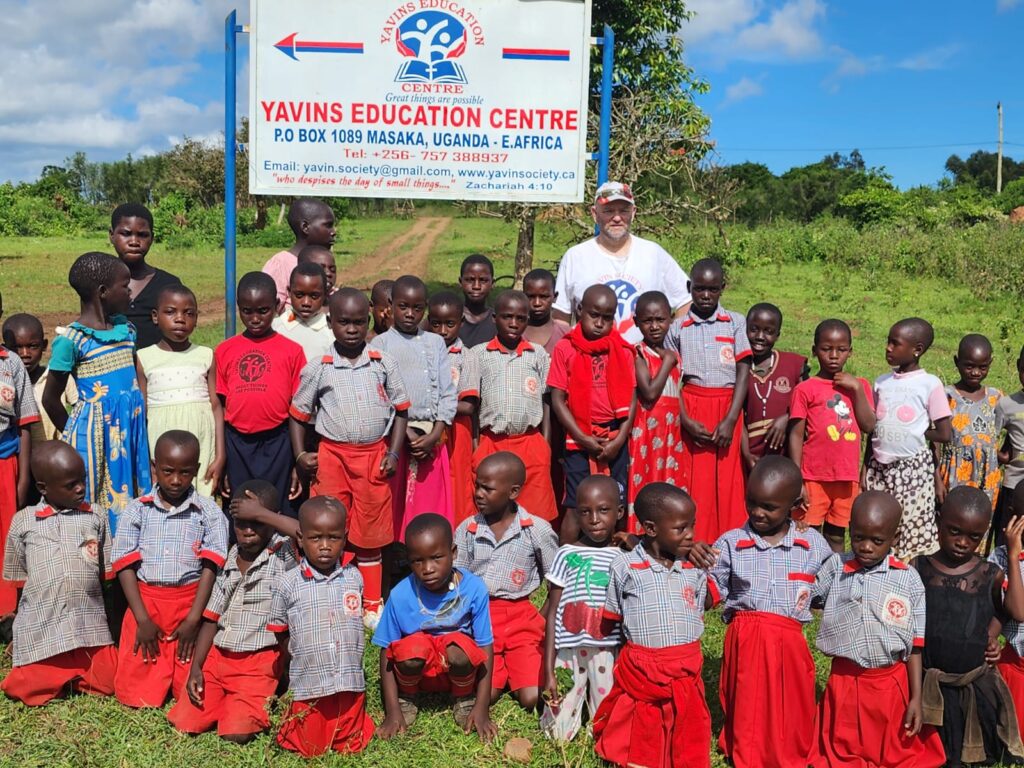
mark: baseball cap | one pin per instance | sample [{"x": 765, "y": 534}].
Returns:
[{"x": 614, "y": 190}]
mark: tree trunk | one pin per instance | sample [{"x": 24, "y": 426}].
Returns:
[
  {"x": 261, "y": 213},
  {"x": 524, "y": 245}
]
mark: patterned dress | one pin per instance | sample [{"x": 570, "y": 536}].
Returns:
[{"x": 970, "y": 458}]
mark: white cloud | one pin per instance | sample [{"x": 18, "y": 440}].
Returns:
[
  {"x": 712, "y": 18},
  {"x": 933, "y": 58},
  {"x": 789, "y": 31},
  {"x": 744, "y": 88},
  {"x": 1006, "y": 5},
  {"x": 755, "y": 30}
]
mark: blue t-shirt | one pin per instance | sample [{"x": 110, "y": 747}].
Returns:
[{"x": 464, "y": 609}]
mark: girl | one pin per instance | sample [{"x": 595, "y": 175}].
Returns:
[
  {"x": 108, "y": 425},
  {"x": 911, "y": 410},
  {"x": 179, "y": 383},
  {"x": 655, "y": 448}
]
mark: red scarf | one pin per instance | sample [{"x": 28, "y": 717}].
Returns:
[{"x": 581, "y": 376}]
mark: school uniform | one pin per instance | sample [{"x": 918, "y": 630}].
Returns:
[
  {"x": 655, "y": 714},
  {"x": 244, "y": 665},
  {"x": 1011, "y": 661},
  {"x": 512, "y": 384},
  {"x": 169, "y": 545},
  {"x": 420, "y": 624},
  {"x": 767, "y": 679},
  {"x": 709, "y": 349},
  {"x": 322, "y": 615},
  {"x": 768, "y": 398},
  {"x": 59, "y": 558},
  {"x": 873, "y": 619},
  {"x": 313, "y": 334},
  {"x": 512, "y": 569},
  {"x": 460, "y": 445}
]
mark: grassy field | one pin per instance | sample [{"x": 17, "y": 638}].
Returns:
[{"x": 92, "y": 732}]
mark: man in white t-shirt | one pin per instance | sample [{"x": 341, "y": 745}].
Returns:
[{"x": 627, "y": 264}]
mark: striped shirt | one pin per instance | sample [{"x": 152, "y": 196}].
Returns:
[
  {"x": 709, "y": 347},
  {"x": 59, "y": 558},
  {"x": 17, "y": 398},
  {"x": 423, "y": 362},
  {"x": 463, "y": 371},
  {"x": 323, "y": 616},
  {"x": 170, "y": 543},
  {"x": 583, "y": 574},
  {"x": 511, "y": 384},
  {"x": 753, "y": 575},
  {"x": 1013, "y": 631},
  {"x": 354, "y": 401},
  {"x": 873, "y": 616}
]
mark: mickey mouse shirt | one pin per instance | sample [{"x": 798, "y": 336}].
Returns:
[{"x": 832, "y": 446}]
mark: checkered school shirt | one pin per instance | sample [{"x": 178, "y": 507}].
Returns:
[
  {"x": 752, "y": 575},
  {"x": 324, "y": 618},
  {"x": 1013, "y": 631},
  {"x": 463, "y": 371},
  {"x": 511, "y": 385},
  {"x": 17, "y": 398},
  {"x": 873, "y": 616},
  {"x": 240, "y": 603},
  {"x": 513, "y": 567},
  {"x": 59, "y": 558},
  {"x": 170, "y": 543},
  {"x": 708, "y": 348},
  {"x": 426, "y": 371},
  {"x": 354, "y": 401},
  {"x": 658, "y": 607}
]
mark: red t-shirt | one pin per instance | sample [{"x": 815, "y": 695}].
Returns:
[
  {"x": 562, "y": 358},
  {"x": 832, "y": 438},
  {"x": 257, "y": 378}
]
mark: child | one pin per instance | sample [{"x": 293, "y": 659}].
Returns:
[
  {"x": 511, "y": 551},
  {"x": 543, "y": 329},
  {"x": 773, "y": 376},
  {"x": 873, "y": 627},
  {"x": 963, "y": 694},
  {"x": 58, "y": 552},
  {"x": 576, "y": 639},
  {"x": 444, "y": 317},
  {"x": 108, "y": 425},
  {"x": 655, "y": 714},
  {"x": 764, "y": 572},
  {"x": 476, "y": 278},
  {"x": 179, "y": 383},
  {"x": 423, "y": 481},
  {"x": 380, "y": 307},
  {"x": 360, "y": 404},
  {"x": 167, "y": 552},
  {"x": 435, "y": 635},
  {"x": 322, "y": 257},
  {"x": 315, "y": 613},
  {"x": 655, "y": 448},
  {"x": 593, "y": 395},
  {"x": 305, "y": 322},
  {"x": 312, "y": 222},
  {"x": 257, "y": 374},
  {"x": 237, "y": 663},
  {"x": 131, "y": 234},
  {"x": 1010, "y": 411},
  {"x": 714, "y": 355},
  {"x": 971, "y": 457},
  {"x": 514, "y": 412},
  {"x": 827, "y": 416},
  {"x": 1011, "y": 666},
  {"x": 912, "y": 411}
]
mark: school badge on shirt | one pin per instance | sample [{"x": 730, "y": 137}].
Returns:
[{"x": 896, "y": 610}]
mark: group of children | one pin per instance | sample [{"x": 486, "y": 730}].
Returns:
[{"x": 351, "y": 437}]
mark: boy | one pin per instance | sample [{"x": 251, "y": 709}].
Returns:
[
  {"x": 380, "y": 307},
  {"x": 305, "y": 322},
  {"x": 873, "y": 628},
  {"x": 511, "y": 551},
  {"x": 714, "y": 358},
  {"x": 312, "y": 222},
  {"x": 58, "y": 553},
  {"x": 476, "y": 278},
  {"x": 236, "y": 665},
  {"x": 655, "y": 714},
  {"x": 593, "y": 394},
  {"x": 257, "y": 374},
  {"x": 360, "y": 404},
  {"x": 514, "y": 412},
  {"x": 543, "y": 329},
  {"x": 828, "y": 414},
  {"x": 435, "y": 635},
  {"x": 315, "y": 613},
  {"x": 773, "y": 376},
  {"x": 1010, "y": 411},
  {"x": 322, "y": 257},
  {"x": 169, "y": 546}
]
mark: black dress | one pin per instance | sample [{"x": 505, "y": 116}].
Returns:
[{"x": 140, "y": 311}]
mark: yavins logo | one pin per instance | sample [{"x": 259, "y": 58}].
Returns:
[{"x": 431, "y": 35}]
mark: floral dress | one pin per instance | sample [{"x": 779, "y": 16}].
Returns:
[{"x": 970, "y": 457}]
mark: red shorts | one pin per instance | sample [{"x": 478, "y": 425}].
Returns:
[
  {"x": 538, "y": 494},
  {"x": 434, "y": 650},
  {"x": 140, "y": 684},
  {"x": 337, "y": 722},
  {"x": 8, "y": 509},
  {"x": 88, "y": 670},
  {"x": 237, "y": 687},
  {"x": 351, "y": 473},
  {"x": 1011, "y": 667},
  {"x": 830, "y": 502},
  {"x": 518, "y": 642}
]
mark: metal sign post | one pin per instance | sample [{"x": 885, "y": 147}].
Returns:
[{"x": 231, "y": 31}]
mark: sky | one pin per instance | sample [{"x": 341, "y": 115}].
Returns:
[{"x": 908, "y": 83}]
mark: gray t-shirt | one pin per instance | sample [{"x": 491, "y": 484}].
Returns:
[{"x": 1011, "y": 408}]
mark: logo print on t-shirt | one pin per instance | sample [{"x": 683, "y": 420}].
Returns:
[
  {"x": 627, "y": 294},
  {"x": 253, "y": 366}
]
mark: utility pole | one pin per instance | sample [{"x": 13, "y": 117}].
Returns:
[{"x": 999, "y": 151}]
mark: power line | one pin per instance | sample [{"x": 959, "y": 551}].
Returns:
[{"x": 893, "y": 148}]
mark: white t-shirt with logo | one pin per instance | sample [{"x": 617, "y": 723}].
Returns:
[
  {"x": 906, "y": 404},
  {"x": 646, "y": 266}
]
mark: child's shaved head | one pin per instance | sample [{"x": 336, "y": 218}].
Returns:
[
  {"x": 974, "y": 342},
  {"x": 346, "y": 296},
  {"x": 777, "y": 472},
  {"x": 707, "y": 269},
  {"x": 264, "y": 492},
  {"x": 510, "y": 465},
  {"x": 917, "y": 330},
  {"x": 656, "y": 498},
  {"x": 596, "y": 294},
  {"x": 876, "y": 508},
  {"x": 322, "y": 507},
  {"x": 428, "y": 524},
  {"x": 54, "y": 456}
]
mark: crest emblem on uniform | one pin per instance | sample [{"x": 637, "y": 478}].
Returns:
[
  {"x": 783, "y": 385},
  {"x": 896, "y": 610},
  {"x": 690, "y": 598},
  {"x": 530, "y": 385},
  {"x": 727, "y": 355},
  {"x": 352, "y": 604},
  {"x": 90, "y": 551},
  {"x": 518, "y": 577}
]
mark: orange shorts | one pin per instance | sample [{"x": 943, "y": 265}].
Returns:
[{"x": 830, "y": 502}]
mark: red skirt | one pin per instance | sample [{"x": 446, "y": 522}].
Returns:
[
  {"x": 339, "y": 722},
  {"x": 8, "y": 509},
  {"x": 767, "y": 692},
  {"x": 433, "y": 649},
  {"x": 460, "y": 454},
  {"x": 518, "y": 644},
  {"x": 1011, "y": 667},
  {"x": 537, "y": 495},
  {"x": 861, "y": 717},
  {"x": 351, "y": 473},
  {"x": 655, "y": 451},
  {"x": 655, "y": 715},
  {"x": 88, "y": 670},
  {"x": 713, "y": 476}
]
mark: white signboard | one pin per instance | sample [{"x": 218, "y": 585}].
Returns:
[{"x": 444, "y": 99}]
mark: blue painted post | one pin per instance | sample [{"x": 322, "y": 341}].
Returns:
[
  {"x": 605, "y": 133},
  {"x": 230, "y": 62}
]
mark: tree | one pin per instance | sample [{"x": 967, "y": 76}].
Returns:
[{"x": 979, "y": 170}]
